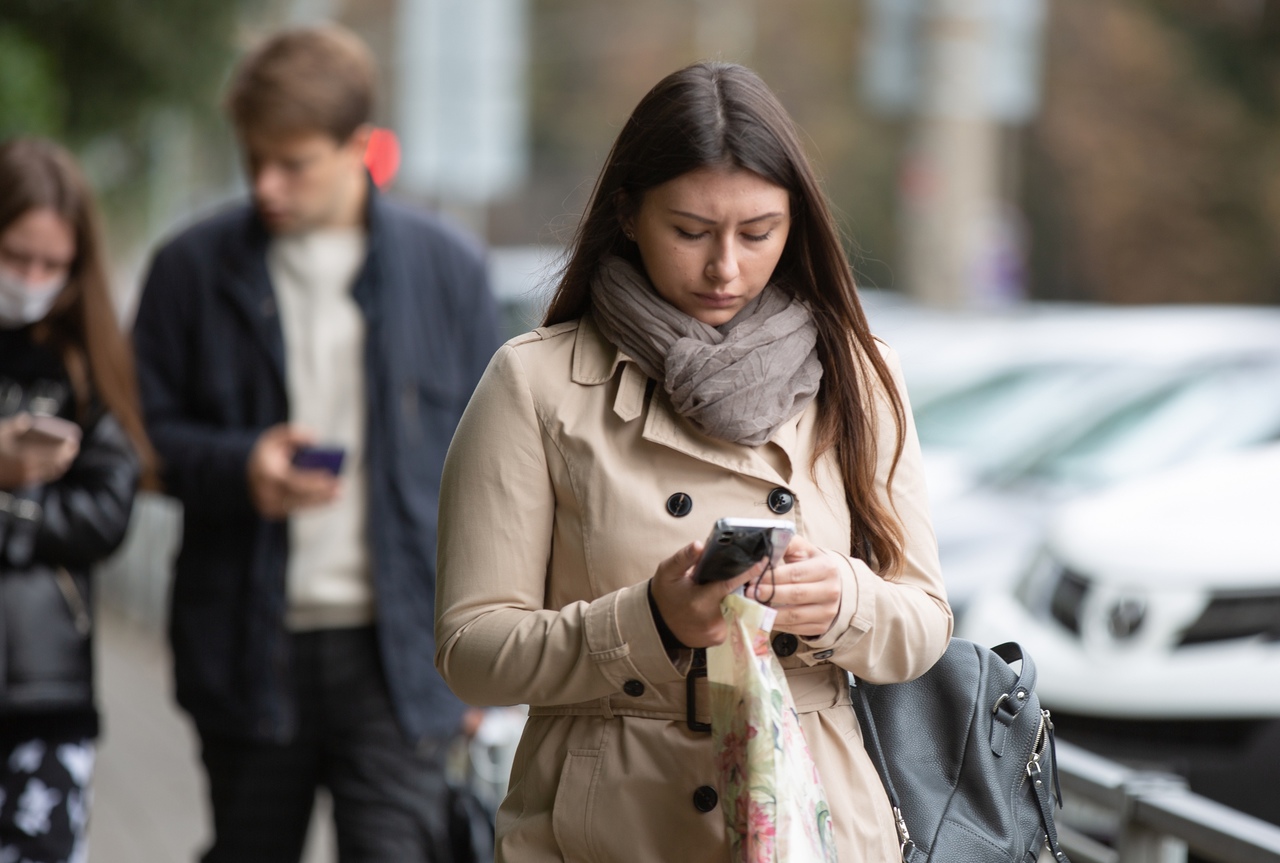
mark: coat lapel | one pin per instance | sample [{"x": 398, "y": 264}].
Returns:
[
  {"x": 247, "y": 286},
  {"x": 665, "y": 427},
  {"x": 595, "y": 362}
]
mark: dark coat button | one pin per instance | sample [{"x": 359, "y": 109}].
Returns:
[
  {"x": 781, "y": 501},
  {"x": 705, "y": 798},
  {"x": 679, "y": 504},
  {"x": 785, "y": 644},
  {"x": 634, "y": 688}
]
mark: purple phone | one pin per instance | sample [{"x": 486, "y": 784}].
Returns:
[{"x": 326, "y": 458}]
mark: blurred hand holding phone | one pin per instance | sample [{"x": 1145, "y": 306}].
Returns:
[
  {"x": 49, "y": 431},
  {"x": 288, "y": 471},
  {"x": 36, "y": 449}
]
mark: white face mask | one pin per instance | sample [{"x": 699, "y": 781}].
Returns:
[{"x": 22, "y": 302}]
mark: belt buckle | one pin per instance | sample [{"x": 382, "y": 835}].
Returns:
[{"x": 697, "y": 670}]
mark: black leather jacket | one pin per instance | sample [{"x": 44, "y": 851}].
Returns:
[{"x": 50, "y": 537}]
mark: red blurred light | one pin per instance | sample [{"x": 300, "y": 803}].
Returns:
[{"x": 382, "y": 156}]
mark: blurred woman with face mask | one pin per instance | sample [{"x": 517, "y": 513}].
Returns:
[{"x": 72, "y": 451}]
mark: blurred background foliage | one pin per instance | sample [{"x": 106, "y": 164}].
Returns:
[
  {"x": 1151, "y": 173},
  {"x": 102, "y": 76},
  {"x": 83, "y": 68},
  {"x": 1153, "y": 170}
]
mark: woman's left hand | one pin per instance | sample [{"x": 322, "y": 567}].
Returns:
[
  {"x": 26, "y": 463},
  {"x": 805, "y": 589}
]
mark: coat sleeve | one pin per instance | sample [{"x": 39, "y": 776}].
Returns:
[
  {"x": 891, "y": 630},
  {"x": 497, "y": 643},
  {"x": 204, "y": 466}
]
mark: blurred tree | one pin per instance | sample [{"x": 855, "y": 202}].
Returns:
[
  {"x": 82, "y": 68},
  {"x": 131, "y": 87},
  {"x": 30, "y": 99},
  {"x": 1151, "y": 175},
  {"x": 592, "y": 62},
  {"x": 1237, "y": 42},
  {"x": 1154, "y": 169}
]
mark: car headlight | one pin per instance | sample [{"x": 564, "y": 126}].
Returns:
[
  {"x": 1067, "y": 600},
  {"x": 1052, "y": 590}
]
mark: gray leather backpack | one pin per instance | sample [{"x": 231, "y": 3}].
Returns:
[{"x": 967, "y": 758}]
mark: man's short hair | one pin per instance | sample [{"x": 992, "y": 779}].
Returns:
[{"x": 313, "y": 79}]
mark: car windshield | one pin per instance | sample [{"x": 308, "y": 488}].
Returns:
[
  {"x": 1006, "y": 418},
  {"x": 1218, "y": 410},
  {"x": 994, "y": 408}
]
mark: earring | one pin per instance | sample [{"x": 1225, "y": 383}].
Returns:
[{"x": 630, "y": 235}]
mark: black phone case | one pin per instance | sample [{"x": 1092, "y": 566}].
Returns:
[{"x": 725, "y": 560}]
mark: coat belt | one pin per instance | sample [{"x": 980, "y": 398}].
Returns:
[{"x": 812, "y": 687}]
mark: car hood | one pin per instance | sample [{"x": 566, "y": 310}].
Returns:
[{"x": 1212, "y": 524}]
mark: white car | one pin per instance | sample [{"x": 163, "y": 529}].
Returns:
[
  {"x": 1158, "y": 598},
  {"x": 1021, "y": 411}
]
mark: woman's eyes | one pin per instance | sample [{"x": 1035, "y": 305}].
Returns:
[
  {"x": 750, "y": 238},
  {"x": 22, "y": 260}
]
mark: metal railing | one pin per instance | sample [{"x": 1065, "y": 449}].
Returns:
[{"x": 1151, "y": 817}]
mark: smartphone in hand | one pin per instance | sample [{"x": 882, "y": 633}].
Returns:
[
  {"x": 736, "y": 544},
  {"x": 50, "y": 431},
  {"x": 325, "y": 458}
]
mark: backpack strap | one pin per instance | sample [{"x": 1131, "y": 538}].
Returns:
[
  {"x": 859, "y": 698},
  {"x": 1006, "y": 709},
  {"x": 1041, "y": 789},
  {"x": 1010, "y": 704}
]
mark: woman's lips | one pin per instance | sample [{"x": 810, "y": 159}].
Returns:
[{"x": 717, "y": 301}]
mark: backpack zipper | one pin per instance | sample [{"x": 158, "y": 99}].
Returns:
[{"x": 1037, "y": 749}]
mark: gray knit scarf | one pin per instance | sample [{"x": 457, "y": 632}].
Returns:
[{"x": 737, "y": 382}]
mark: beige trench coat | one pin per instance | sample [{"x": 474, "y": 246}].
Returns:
[{"x": 553, "y": 516}]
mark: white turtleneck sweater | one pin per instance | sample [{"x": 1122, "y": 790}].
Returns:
[{"x": 329, "y": 579}]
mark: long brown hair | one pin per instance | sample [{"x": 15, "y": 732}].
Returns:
[
  {"x": 720, "y": 114},
  {"x": 36, "y": 174}
]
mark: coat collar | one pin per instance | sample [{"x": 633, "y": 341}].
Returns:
[
  {"x": 595, "y": 358},
  {"x": 596, "y": 361}
]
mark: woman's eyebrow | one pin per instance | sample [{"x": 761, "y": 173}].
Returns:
[{"x": 707, "y": 221}]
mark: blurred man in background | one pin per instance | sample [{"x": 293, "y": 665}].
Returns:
[{"x": 304, "y": 359}]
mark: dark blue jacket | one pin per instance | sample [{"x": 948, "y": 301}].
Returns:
[{"x": 210, "y": 354}]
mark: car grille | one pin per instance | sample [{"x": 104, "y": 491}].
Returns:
[
  {"x": 1067, "y": 599},
  {"x": 1235, "y": 615}
]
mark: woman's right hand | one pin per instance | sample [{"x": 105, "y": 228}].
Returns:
[
  {"x": 26, "y": 463},
  {"x": 691, "y": 610}
]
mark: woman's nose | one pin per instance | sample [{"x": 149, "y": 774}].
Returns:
[{"x": 723, "y": 266}]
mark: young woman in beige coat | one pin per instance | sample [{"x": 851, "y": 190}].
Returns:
[{"x": 705, "y": 355}]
